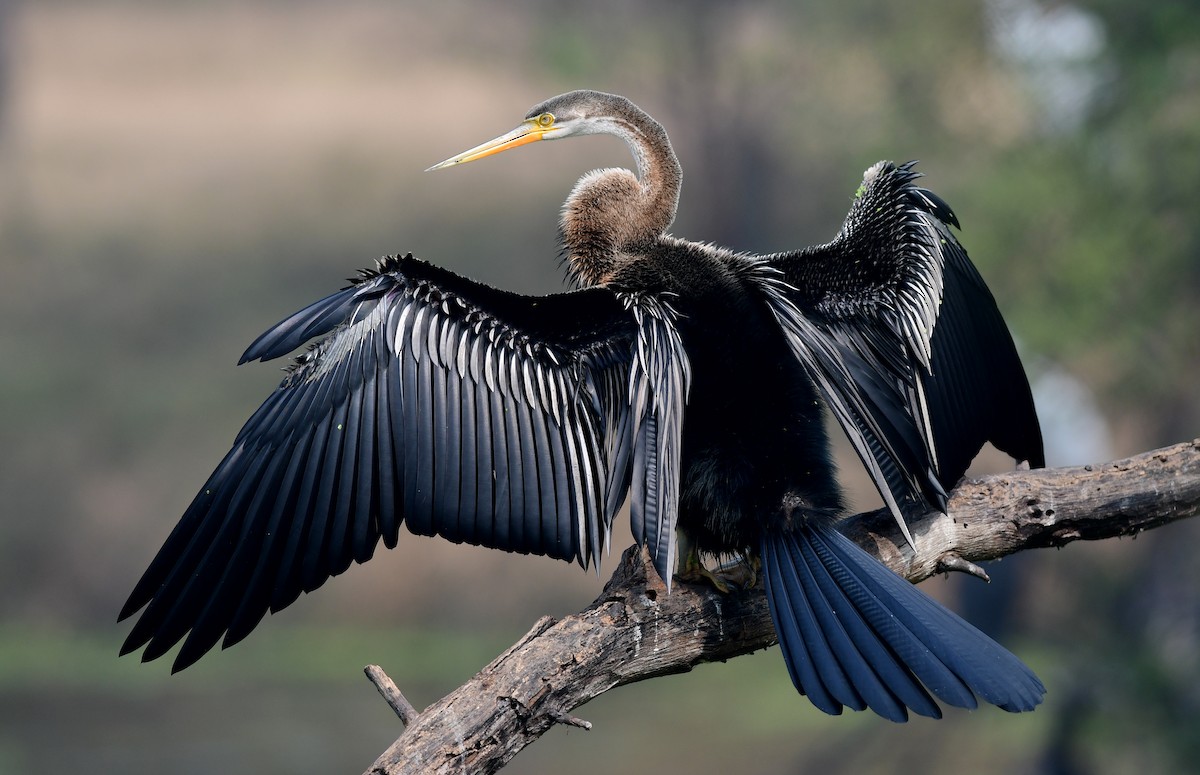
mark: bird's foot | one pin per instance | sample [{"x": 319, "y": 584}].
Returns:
[
  {"x": 702, "y": 575},
  {"x": 737, "y": 574},
  {"x": 744, "y": 572}
]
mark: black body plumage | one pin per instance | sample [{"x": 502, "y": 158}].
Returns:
[{"x": 685, "y": 377}]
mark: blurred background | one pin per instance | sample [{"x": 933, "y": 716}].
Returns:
[{"x": 177, "y": 176}]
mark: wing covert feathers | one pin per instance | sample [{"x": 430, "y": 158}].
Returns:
[{"x": 658, "y": 387}]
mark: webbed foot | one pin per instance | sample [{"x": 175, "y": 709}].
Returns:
[
  {"x": 692, "y": 571},
  {"x": 743, "y": 573},
  {"x": 736, "y": 574}
]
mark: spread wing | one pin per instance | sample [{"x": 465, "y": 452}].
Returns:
[
  {"x": 454, "y": 408},
  {"x": 905, "y": 341}
]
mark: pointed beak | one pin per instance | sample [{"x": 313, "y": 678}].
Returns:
[{"x": 523, "y": 135}]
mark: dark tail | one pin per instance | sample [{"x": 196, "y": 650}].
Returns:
[{"x": 855, "y": 634}]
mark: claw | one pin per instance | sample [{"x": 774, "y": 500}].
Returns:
[
  {"x": 737, "y": 574},
  {"x": 692, "y": 571},
  {"x": 743, "y": 573}
]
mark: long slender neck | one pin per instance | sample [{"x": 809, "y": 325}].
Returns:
[
  {"x": 658, "y": 170},
  {"x": 612, "y": 215}
]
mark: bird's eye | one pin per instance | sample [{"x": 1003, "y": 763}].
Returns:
[{"x": 545, "y": 120}]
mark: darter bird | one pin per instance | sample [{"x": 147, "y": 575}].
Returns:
[{"x": 690, "y": 379}]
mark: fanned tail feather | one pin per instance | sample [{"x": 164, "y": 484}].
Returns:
[{"x": 856, "y": 635}]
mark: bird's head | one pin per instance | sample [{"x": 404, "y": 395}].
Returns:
[{"x": 574, "y": 113}]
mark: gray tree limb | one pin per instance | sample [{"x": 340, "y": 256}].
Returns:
[{"x": 634, "y": 630}]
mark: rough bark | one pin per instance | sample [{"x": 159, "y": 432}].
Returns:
[{"x": 634, "y": 630}]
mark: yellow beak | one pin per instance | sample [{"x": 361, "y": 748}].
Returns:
[{"x": 522, "y": 135}]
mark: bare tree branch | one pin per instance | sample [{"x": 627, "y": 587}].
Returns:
[
  {"x": 634, "y": 630},
  {"x": 391, "y": 693}
]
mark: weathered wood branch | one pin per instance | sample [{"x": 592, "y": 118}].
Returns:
[
  {"x": 634, "y": 630},
  {"x": 391, "y": 694}
]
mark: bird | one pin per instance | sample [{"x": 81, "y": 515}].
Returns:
[{"x": 691, "y": 380}]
